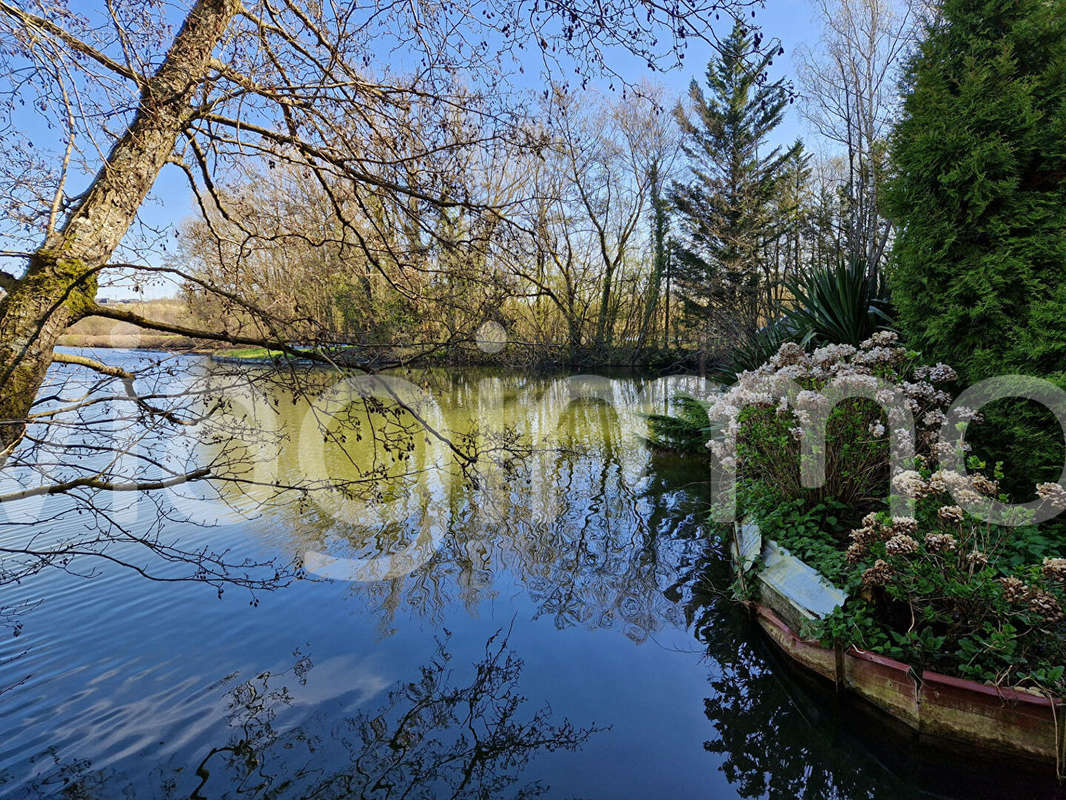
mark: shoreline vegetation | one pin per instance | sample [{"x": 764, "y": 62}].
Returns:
[
  {"x": 937, "y": 592},
  {"x": 943, "y": 568},
  {"x": 112, "y": 334},
  {"x": 940, "y": 589},
  {"x": 115, "y": 334}
]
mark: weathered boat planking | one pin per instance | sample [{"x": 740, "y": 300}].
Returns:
[{"x": 955, "y": 711}]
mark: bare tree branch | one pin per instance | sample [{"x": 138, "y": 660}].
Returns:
[
  {"x": 32, "y": 21},
  {"x": 127, "y": 378},
  {"x": 111, "y": 486}
]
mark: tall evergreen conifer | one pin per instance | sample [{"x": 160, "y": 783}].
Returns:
[
  {"x": 978, "y": 195},
  {"x": 726, "y": 209}
]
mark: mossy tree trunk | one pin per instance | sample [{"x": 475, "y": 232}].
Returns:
[{"x": 59, "y": 284}]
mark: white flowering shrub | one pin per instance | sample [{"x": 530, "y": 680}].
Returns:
[
  {"x": 933, "y": 587},
  {"x": 867, "y": 399}
]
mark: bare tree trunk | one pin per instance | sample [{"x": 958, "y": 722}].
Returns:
[
  {"x": 658, "y": 205},
  {"x": 669, "y": 290},
  {"x": 60, "y": 280}
]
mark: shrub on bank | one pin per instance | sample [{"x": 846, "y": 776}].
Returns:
[
  {"x": 766, "y": 416},
  {"x": 939, "y": 590}
]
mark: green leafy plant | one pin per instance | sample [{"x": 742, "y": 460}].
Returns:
[
  {"x": 946, "y": 592},
  {"x": 839, "y": 305},
  {"x": 812, "y": 534}
]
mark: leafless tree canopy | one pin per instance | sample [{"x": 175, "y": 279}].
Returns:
[
  {"x": 851, "y": 97},
  {"x": 393, "y": 122}
]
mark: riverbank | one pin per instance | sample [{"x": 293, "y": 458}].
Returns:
[
  {"x": 99, "y": 332},
  {"x": 543, "y": 356},
  {"x": 517, "y": 355}
]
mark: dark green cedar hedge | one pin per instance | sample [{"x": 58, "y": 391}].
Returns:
[{"x": 978, "y": 196}]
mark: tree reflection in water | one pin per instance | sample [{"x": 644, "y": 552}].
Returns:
[
  {"x": 591, "y": 533},
  {"x": 594, "y": 532},
  {"x": 433, "y": 737}
]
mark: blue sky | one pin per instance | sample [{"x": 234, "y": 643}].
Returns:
[{"x": 790, "y": 21}]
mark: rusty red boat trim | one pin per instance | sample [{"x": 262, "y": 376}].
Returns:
[{"x": 959, "y": 711}]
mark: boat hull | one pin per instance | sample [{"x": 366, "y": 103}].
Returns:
[{"x": 958, "y": 712}]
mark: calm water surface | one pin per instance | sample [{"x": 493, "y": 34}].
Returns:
[{"x": 567, "y": 636}]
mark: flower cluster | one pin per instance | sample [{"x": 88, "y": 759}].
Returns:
[
  {"x": 952, "y": 514},
  {"x": 968, "y": 490},
  {"x": 880, "y": 574},
  {"x": 904, "y": 525},
  {"x": 938, "y": 373},
  {"x": 1044, "y": 604},
  {"x": 901, "y": 545},
  {"x": 1015, "y": 590},
  {"x": 1053, "y": 494},
  {"x": 897, "y": 535},
  {"x": 1055, "y": 569},
  {"x": 909, "y": 483},
  {"x": 976, "y": 559},
  {"x": 869, "y": 399},
  {"x": 940, "y": 542},
  {"x": 984, "y": 485},
  {"x": 842, "y": 365}
]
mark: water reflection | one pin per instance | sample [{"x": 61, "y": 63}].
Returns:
[
  {"x": 435, "y": 736},
  {"x": 562, "y": 497},
  {"x": 597, "y": 550}
]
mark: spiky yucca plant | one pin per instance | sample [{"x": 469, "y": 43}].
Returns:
[{"x": 844, "y": 304}]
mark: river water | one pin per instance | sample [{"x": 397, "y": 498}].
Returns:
[{"x": 554, "y": 622}]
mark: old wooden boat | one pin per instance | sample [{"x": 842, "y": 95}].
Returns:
[{"x": 953, "y": 712}]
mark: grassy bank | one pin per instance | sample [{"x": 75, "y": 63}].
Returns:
[{"x": 249, "y": 353}]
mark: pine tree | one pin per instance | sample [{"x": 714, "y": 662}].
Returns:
[
  {"x": 726, "y": 209},
  {"x": 979, "y": 199}
]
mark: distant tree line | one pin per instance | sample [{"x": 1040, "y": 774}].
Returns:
[{"x": 613, "y": 229}]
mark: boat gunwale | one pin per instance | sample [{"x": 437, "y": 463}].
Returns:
[{"x": 1003, "y": 694}]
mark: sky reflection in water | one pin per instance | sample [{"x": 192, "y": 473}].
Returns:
[{"x": 568, "y": 638}]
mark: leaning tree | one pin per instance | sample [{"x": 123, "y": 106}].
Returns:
[{"x": 379, "y": 105}]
